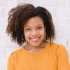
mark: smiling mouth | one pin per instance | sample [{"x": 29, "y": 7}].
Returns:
[{"x": 35, "y": 39}]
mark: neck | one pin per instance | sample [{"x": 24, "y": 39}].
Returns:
[{"x": 41, "y": 46}]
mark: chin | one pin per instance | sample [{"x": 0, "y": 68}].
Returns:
[{"x": 36, "y": 44}]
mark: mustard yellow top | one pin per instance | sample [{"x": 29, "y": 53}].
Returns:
[{"x": 53, "y": 57}]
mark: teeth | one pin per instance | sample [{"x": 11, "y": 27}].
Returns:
[{"x": 35, "y": 39}]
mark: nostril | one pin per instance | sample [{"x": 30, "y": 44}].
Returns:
[{"x": 34, "y": 33}]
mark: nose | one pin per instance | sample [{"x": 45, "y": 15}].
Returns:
[{"x": 34, "y": 32}]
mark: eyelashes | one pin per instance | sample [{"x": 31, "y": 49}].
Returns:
[
  {"x": 39, "y": 28},
  {"x": 29, "y": 29}
]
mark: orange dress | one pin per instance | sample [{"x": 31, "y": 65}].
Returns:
[{"x": 52, "y": 57}]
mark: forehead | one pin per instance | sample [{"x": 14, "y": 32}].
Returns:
[{"x": 34, "y": 21}]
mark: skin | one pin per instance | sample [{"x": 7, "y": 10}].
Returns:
[{"x": 34, "y": 32}]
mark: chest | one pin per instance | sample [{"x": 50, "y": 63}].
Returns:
[{"x": 42, "y": 62}]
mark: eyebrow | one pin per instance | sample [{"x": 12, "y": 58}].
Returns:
[{"x": 37, "y": 25}]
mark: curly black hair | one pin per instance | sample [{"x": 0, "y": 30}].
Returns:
[{"x": 20, "y": 14}]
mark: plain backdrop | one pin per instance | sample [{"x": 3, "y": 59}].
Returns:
[{"x": 60, "y": 10}]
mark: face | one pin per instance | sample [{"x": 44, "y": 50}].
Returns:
[{"x": 34, "y": 31}]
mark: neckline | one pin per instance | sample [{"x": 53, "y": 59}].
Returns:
[{"x": 39, "y": 53}]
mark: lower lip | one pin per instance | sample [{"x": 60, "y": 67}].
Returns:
[{"x": 35, "y": 40}]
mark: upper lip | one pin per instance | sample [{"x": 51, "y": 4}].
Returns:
[{"x": 34, "y": 37}]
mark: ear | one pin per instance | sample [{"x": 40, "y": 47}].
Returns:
[{"x": 45, "y": 28}]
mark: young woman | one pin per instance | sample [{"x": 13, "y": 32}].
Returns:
[{"x": 34, "y": 25}]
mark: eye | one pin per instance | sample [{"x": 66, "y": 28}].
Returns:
[
  {"x": 28, "y": 29},
  {"x": 39, "y": 28}
]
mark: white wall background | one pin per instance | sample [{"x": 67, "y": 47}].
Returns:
[{"x": 60, "y": 10}]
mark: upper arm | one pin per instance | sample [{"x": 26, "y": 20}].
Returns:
[
  {"x": 11, "y": 62},
  {"x": 63, "y": 59}
]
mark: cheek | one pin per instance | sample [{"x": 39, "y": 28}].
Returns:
[
  {"x": 42, "y": 33},
  {"x": 26, "y": 34}
]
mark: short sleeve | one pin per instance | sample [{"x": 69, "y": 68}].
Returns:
[
  {"x": 63, "y": 59},
  {"x": 11, "y": 62}
]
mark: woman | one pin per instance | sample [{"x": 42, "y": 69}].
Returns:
[{"x": 34, "y": 25}]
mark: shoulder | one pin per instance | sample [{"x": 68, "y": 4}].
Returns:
[
  {"x": 59, "y": 48},
  {"x": 15, "y": 55},
  {"x": 17, "y": 52},
  {"x": 56, "y": 45}
]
